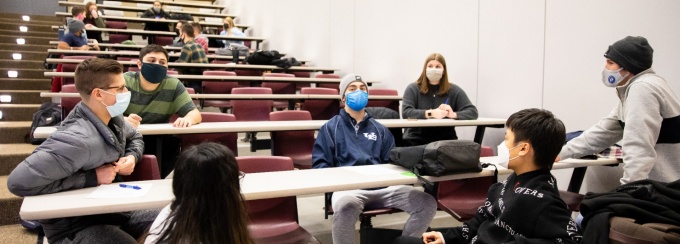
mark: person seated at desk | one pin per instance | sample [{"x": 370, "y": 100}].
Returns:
[
  {"x": 74, "y": 39},
  {"x": 199, "y": 37},
  {"x": 646, "y": 119},
  {"x": 92, "y": 20},
  {"x": 192, "y": 52},
  {"x": 353, "y": 138},
  {"x": 91, "y": 146},
  {"x": 155, "y": 12},
  {"x": 77, "y": 13},
  {"x": 433, "y": 96},
  {"x": 179, "y": 42},
  {"x": 525, "y": 208},
  {"x": 208, "y": 205},
  {"x": 230, "y": 29},
  {"x": 155, "y": 98}
]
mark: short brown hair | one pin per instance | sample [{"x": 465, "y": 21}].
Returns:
[
  {"x": 197, "y": 26},
  {"x": 76, "y": 10},
  {"x": 422, "y": 81},
  {"x": 96, "y": 73},
  {"x": 188, "y": 30},
  {"x": 152, "y": 48}
]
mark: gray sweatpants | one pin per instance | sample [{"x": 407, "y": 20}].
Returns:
[
  {"x": 348, "y": 205},
  {"x": 139, "y": 222}
]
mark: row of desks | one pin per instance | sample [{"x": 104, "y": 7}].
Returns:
[
  {"x": 142, "y": 9},
  {"x": 149, "y": 20},
  {"x": 229, "y": 66},
  {"x": 170, "y": 33},
  {"x": 256, "y": 186}
]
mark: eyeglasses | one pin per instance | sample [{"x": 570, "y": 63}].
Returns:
[{"x": 119, "y": 89}]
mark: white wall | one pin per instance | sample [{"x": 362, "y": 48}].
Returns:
[{"x": 506, "y": 55}]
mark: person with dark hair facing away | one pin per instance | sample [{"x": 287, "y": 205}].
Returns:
[
  {"x": 353, "y": 138},
  {"x": 208, "y": 205},
  {"x": 155, "y": 98},
  {"x": 646, "y": 120},
  {"x": 192, "y": 52},
  {"x": 199, "y": 37},
  {"x": 525, "y": 208},
  {"x": 91, "y": 147},
  {"x": 433, "y": 96}
]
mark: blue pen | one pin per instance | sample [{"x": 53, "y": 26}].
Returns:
[
  {"x": 130, "y": 186},
  {"x": 447, "y": 101}
]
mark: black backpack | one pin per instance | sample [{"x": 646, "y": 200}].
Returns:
[
  {"x": 439, "y": 158},
  {"x": 263, "y": 57},
  {"x": 49, "y": 114}
]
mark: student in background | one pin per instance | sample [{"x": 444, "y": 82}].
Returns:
[
  {"x": 155, "y": 98},
  {"x": 77, "y": 13},
  {"x": 525, "y": 208},
  {"x": 353, "y": 138},
  {"x": 230, "y": 29},
  {"x": 74, "y": 39},
  {"x": 92, "y": 20},
  {"x": 646, "y": 120},
  {"x": 192, "y": 52},
  {"x": 178, "y": 42},
  {"x": 155, "y": 12},
  {"x": 91, "y": 147},
  {"x": 433, "y": 96},
  {"x": 199, "y": 37},
  {"x": 208, "y": 205}
]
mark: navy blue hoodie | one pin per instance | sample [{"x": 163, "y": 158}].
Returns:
[{"x": 344, "y": 142}]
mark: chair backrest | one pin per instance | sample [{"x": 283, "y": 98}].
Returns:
[
  {"x": 116, "y": 24},
  {"x": 335, "y": 86},
  {"x": 172, "y": 72},
  {"x": 295, "y": 144},
  {"x": 321, "y": 109},
  {"x": 391, "y": 104},
  {"x": 68, "y": 103},
  {"x": 280, "y": 87},
  {"x": 145, "y": 169},
  {"x": 273, "y": 210},
  {"x": 227, "y": 139},
  {"x": 163, "y": 40},
  {"x": 251, "y": 110},
  {"x": 119, "y": 38},
  {"x": 218, "y": 87}
]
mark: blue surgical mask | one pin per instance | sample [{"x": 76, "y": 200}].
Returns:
[
  {"x": 612, "y": 78},
  {"x": 122, "y": 102},
  {"x": 504, "y": 155},
  {"x": 154, "y": 73},
  {"x": 356, "y": 100}
]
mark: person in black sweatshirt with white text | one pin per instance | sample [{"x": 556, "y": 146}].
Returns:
[{"x": 525, "y": 208}]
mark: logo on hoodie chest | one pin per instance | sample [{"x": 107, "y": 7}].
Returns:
[{"x": 371, "y": 136}]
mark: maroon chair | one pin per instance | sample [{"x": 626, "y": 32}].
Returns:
[
  {"x": 294, "y": 144},
  {"x": 273, "y": 220},
  {"x": 280, "y": 88},
  {"x": 462, "y": 198},
  {"x": 125, "y": 67},
  {"x": 227, "y": 139},
  {"x": 68, "y": 103},
  {"x": 172, "y": 72},
  {"x": 391, "y": 104},
  {"x": 335, "y": 86},
  {"x": 163, "y": 40},
  {"x": 71, "y": 68},
  {"x": 192, "y": 91},
  {"x": 321, "y": 109},
  {"x": 218, "y": 87},
  {"x": 114, "y": 37},
  {"x": 301, "y": 74},
  {"x": 251, "y": 110},
  {"x": 145, "y": 169}
]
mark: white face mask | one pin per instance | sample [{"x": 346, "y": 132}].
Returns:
[
  {"x": 612, "y": 78},
  {"x": 122, "y": 102},
  {"x": 434, "y": 74},
  {"x": 504, "y": 155}
]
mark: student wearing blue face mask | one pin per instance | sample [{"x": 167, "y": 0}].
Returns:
[
  {"x": 646, "y": 120},
  {"x": 91, "y": 147},
  {"x": 353, "y": 138}
]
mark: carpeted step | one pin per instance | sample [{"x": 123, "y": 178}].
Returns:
[
  {"x": 28, "y": 39},
  {"x": 23, "y": 63},
  {"x": 9, "y": 204},
  {"x": 17, "y": 17},
  {"x": 23, "y": 73},
  {"x": 18, "y": 112},
  {"x": 38, "y": 54},
  {"x": 25, "y": 96},
  {"x": 30, "y": 33},
  {"x": 15, "y": 131},
  {"x": 14, "y": 26},
  {"x": 14, "y": 48},
  {"x": 25, "y": 84},
  {"x": 12, "y": 154},
  {"x": 15, "y": 233},
  {"x": 54, "y": 20}
]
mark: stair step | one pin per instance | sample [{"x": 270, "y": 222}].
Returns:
[
  {"x": 28, "y": 39},
  {"x": 44, "y": 27},
  {"x": 14, "y": 131},
  {"x": 25, "y": 96},
  {"x": 14, "y": 48},
  {"x": 30, "y": 33},
  {"x": 25, "y": 84},
  {"x": 23, "y": 63},
  {"x": 18, "y": 112},
  {"x": 54, "y": 20},
  {"x": 17, "y": 17},
  {"x": 23, "y": 73},
  {"x": 15, "y": 233},
  {"x": 13, "y": 154},
  {"x": 38, "y": 54},
  {"x": 9, "y": 204}
]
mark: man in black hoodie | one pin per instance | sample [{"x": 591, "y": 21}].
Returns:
[{"x": 526, "y": 208}]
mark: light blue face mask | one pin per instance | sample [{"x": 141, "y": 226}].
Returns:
[
  {"x": 122, "y": 102},
  {"x": 356, "y": 100},
  {"x": 612, "y": 78}
]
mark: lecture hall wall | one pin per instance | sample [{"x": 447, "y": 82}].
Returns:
[{"x": 506, "y": 55}]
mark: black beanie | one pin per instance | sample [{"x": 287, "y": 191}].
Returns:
[{"x": 632, "y": 53}]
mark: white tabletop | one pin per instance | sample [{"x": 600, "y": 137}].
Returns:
[
  {"x": 142, "y": 9},
  {"x": 255, "y": 186},
  {"x": 128, "y": 31},
  {"x": 267, "y": 126},
  {"x": 171, "y": 3},
  {"x": 244, "y": 96}
]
